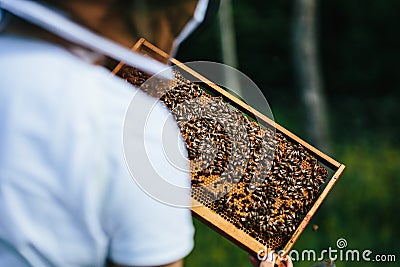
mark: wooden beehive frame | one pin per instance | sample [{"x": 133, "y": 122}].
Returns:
[{"x": 211, "y": 218}]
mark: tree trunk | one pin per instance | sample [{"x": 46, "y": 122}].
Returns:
[
  {"x": 228, "y": 45},
  {"x": 305, "y": 52}
]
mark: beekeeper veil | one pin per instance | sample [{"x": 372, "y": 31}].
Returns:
[{"x": 166, "y": 23}]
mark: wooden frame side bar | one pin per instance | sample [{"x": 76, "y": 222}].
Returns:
[
  {"x": 314, "y": 208},
  {"x": 227, "y": 229},
  {"x": 136, "y": 47}
]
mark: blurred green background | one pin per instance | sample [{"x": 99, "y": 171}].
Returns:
[{"x": 359, "y": 56}]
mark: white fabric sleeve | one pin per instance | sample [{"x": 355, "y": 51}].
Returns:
[{"x": 146, "y": 231}]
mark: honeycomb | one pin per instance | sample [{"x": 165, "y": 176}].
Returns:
[{"x": 256, "y": 179}]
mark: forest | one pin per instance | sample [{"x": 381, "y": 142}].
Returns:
[{"x": 357, "y": 51}]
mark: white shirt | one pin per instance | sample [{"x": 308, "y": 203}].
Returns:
[{"x": 66, "y": 195}]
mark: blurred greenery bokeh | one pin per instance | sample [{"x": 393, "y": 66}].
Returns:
[{"x": 359, "y": 53}]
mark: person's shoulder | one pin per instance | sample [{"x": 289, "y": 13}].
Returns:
[
  {"x": 32, "y": 55},
  {"x": 40, "y": 67}
]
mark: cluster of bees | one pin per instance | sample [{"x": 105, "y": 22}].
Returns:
[{"x": 253, "y": 177}]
